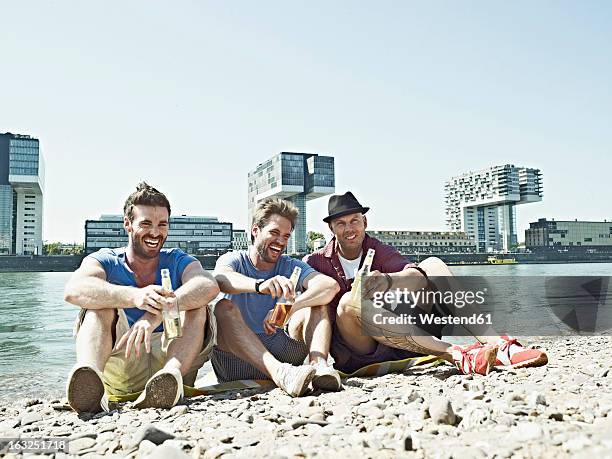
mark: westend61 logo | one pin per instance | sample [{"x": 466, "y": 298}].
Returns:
[{"x": 458, "y": 299}]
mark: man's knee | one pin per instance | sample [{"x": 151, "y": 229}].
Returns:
[
  {"x": 100, "y": 317},
  {"x": 346, "y": 309},
  {"x": 226, "y": 310}
]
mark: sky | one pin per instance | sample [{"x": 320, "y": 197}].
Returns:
[{"x": 192, "y": 95}]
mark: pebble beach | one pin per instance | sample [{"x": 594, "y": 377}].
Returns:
[{"x": 563, "y": 409}]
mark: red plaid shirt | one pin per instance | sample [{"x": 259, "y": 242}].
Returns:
[{"x": 386, "y": 260}]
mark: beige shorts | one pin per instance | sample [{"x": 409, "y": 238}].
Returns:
[{"x": 125, "y": 376}]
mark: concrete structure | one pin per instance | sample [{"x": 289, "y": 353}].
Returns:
[
  {"x": 569, "y": 236},
  {"x": 426, "y": 242},
  {"x": 482, "y": 204},
  {"x": 297, "y": 177},
  {"x": 240, "y": 240},
  {"x": 22, "y": 183},
  {"x": 194, "y": 235}
]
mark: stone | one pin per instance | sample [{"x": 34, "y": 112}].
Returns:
[
  {"x": 535, "y": 399},
  {"x": 527, "y": 431},
  {"x": 370, "y": 412},
  {"x": 576, "y": 444},
  {"x": 151, "y": 433},
  {"x": 441, "y": 411},
  {"x": 474, "y": 416},
  {"x": 30, "y": 418},
  {"x": 80, "y": 444},
  {"x": 299, "y": 422},
  {"x": 168, "y": 452}
]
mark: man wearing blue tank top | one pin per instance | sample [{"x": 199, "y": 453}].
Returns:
[{"x": 120, "y": 344}]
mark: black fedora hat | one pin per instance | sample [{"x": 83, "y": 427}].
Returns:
[{"x": 343, "y": 204}]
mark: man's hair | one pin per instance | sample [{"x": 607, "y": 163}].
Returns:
[
  {"x": 145, "y": 195},
  {"x": 273, "y": 206}
]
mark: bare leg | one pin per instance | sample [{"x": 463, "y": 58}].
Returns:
[
  {"x": 94, "y": 339},
  {"x": 434, "y": 267},
  {"x": 236, "y": 337},
  {"x": 183, "y": 352},
  {"x": 313, "y": 327},
  {"x": 349, "y": 324}
]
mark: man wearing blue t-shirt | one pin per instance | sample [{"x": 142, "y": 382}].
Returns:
[
  {"x": 120, "y": 344},
  {"x": 248, "y": 346}
]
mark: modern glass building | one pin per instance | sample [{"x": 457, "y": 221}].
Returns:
[
  {"x": 482, "y": 204},
  {"x": 431, "y": 242},
  {"x": 297, "y": 177},
  {"x": 569, "y": 236},
  {"x": 240, "y": 240},
  {"x": 194, "y": 235},
  {"x": 22, "y": 177}
]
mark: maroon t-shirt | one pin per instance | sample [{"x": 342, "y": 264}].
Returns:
[{"x": 386, "y": 260}]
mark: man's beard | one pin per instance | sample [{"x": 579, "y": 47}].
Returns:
[
  {"x": 262, "y": 250},
  {"x": 140, "y": 248}
]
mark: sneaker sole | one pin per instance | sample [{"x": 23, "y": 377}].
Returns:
[
  {"x": 85, "y": 391},
  {"x": 305, "y": 383},
  {"x": 160, "y": 392},
  {"x": 326, "y": 382},
  {"x": 537, "y": 362}
]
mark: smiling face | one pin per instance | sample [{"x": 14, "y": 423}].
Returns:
[
  {"x": 271, "y": 240},
  {"x": 350, "y": 231},
  {"x": 148, "y": 230}
]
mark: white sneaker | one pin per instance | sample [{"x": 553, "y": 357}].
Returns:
[
  {"x": 85, "y": 390},
  {"x": 326, "y": 378},
  {"x": 294, "y": 380},
  {"x": 163, "y": 390}
]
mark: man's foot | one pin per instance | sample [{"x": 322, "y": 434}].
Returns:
[
  {"x": 326, "y": 377},
  {"x": 85, "y": 390},
  {"x": 294, "y": 380},
  {"x": 163, "y": 390},
  {"x": 513, "y": 354},
  {"x": 474, "y": 359}
]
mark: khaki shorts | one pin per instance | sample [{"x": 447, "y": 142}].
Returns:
[{"x": 125, "y": 376}]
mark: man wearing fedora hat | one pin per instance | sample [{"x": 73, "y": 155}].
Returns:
[{"x": 350, "y": 348}]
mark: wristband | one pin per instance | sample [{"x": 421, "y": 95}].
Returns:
[{"x": 258, "y": 283}]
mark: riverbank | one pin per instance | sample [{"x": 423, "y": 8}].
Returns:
[{"x": 560, "y": 410}]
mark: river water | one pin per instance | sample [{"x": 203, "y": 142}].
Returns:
[{"x": 36, "y": 344}]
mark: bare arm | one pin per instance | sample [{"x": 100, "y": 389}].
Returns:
[
  {"x": 320, "y": 290},
  {"x": 89, "y": 289},
  {"x": 199, "y": 287},
  {"x": 232, "y": 282}
]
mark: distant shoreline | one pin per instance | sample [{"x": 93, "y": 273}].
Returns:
[{"x": 69, "y": 263}]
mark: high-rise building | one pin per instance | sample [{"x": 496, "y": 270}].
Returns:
[
  {"x": 195, "y": 235},
  {"x": 22, "y": 177},
  {"x": 432, "y": 242},
  {"x": 482, "y": 204},
  {"x": 240, "y": 240},
  {"x": 569, "y": 236},
  {"x": 296, "y": 177}
]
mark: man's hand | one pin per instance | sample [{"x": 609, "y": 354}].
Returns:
[
  {"x": 375, "y": 282},
  {"x": 139, "y": 332},
  {"x": 269, "y": 329},
  {"x": 150, "y": 298},
  {"x": 278, "y": 286}
]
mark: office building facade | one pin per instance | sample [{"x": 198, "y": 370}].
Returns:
[
  {"x": 569, "y": 236},
  {"x": 296, "y": 177},
  {"x": 22, "y": 177},
  {"x": 483, "y": 204},
  {"x": 240, "y": 239},
  {"x": 429, "y": 242},
  {"x": 194, "y": 235}
]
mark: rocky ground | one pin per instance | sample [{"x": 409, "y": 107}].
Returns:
[{"x": 561, "y": 410}]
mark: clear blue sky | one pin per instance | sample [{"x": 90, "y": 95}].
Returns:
[{"x": 191, "y": 95}]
